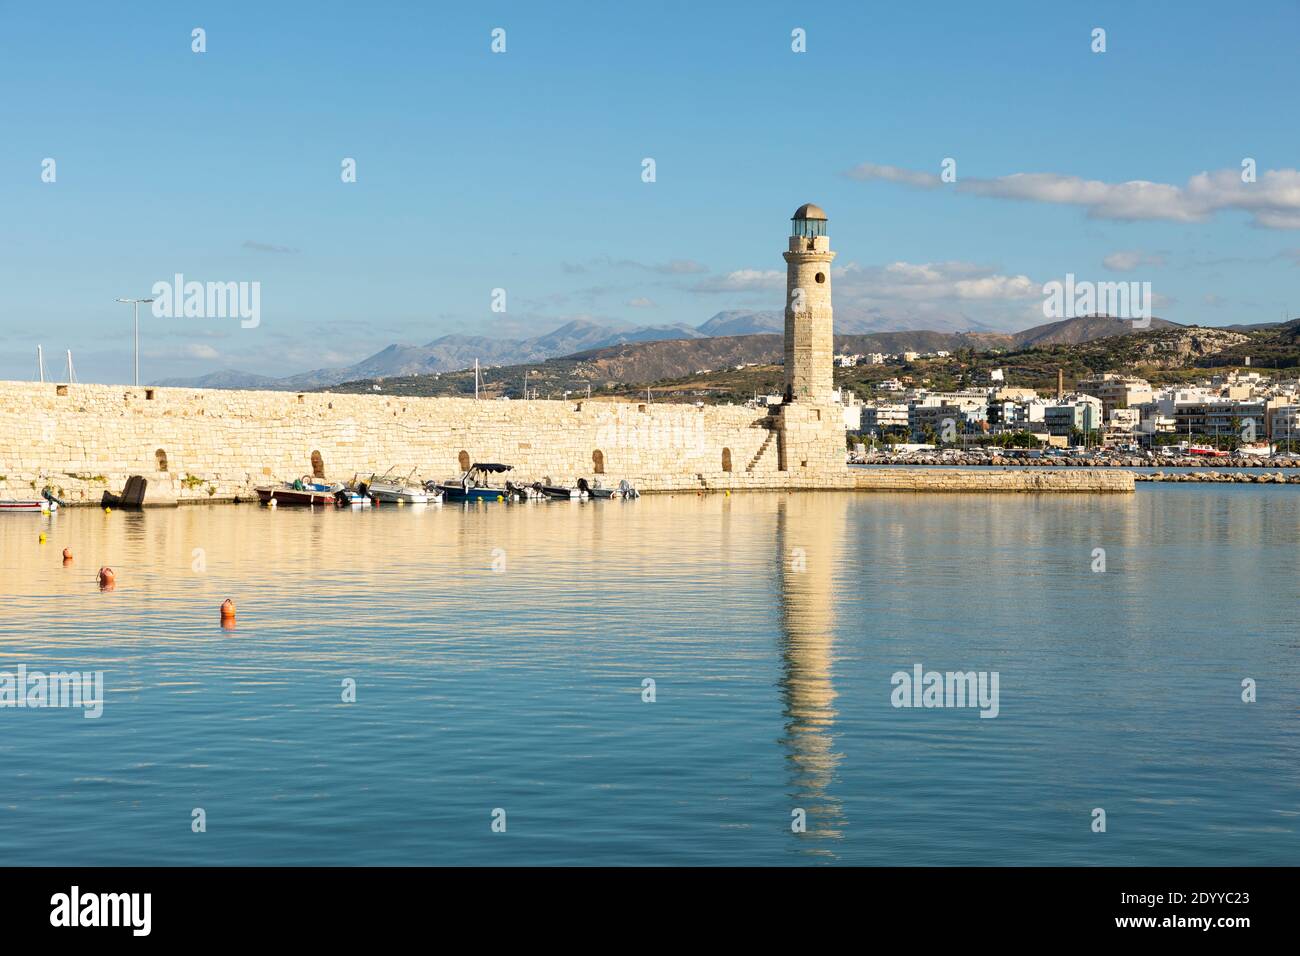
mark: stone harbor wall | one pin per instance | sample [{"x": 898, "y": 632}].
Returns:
[
  {"x": 216, "y": 445},
  {"x": 206, "y": 444},
  {"x": 1077, "y": 480}
]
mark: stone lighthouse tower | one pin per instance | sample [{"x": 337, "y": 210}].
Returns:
[
  {"x": 809, "y": 423},
  {"x": 809, "y": 336}
]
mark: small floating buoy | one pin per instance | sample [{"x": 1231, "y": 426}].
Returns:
[
  {"x": 227, "y": 610},
  {"x": 500, "y": 498},
  {"x": 41, "y": 539},
  {"x": 107, "y": 579},
  {"x": 67, "y": 556},
  {"x": 108, "y": 511},
  {"x": 728, "y": 493}
]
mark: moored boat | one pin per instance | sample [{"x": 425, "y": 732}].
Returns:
[
  {"x": 303, "y": 492},
  {"x": 474, "y": 484},
  {"x": 561, "y": 492},
  {"x": 45, "y": 504},
  {"x": 393, "y": 490},
  {"x": 516, "y": 492},
  {"x": 28, "y": 506},
  {"x": 596, "y": 490}
]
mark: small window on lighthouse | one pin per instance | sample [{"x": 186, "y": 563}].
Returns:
[{"x": 821, "y": 277}]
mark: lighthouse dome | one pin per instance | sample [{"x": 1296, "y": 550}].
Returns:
[{"x": 809, "y": 210}]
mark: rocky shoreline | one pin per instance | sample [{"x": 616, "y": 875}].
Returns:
[
  {"x": 1238, "y": 477},
  {"x": 1069, "y": 461}
]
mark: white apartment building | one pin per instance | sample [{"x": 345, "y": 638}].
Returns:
[
  {"x": 1123, "y": 420},
  {"x": 879, "y": 417},
  {"x": 1083, "y": 412},
  {"x": 1284, "y": 424},
  {"x": 1117, "y": 391},
  {"x": 852, "y": 406}
]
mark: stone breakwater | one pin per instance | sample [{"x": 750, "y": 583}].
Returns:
[
  {"x": 1079, "y": 481},
  {"x": 196, "y": 445},
  {"x": 1238, "y": 478},
  {"x": 1070, "y": 461}
]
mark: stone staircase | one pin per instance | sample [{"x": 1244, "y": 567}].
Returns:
[{"x": 762, "y": 449}]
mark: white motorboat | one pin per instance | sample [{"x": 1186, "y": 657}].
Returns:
[
  {"x": 46, "y": 504},
  {"x": 28, "y": 506},
  {"x": 389, "y": 489}
]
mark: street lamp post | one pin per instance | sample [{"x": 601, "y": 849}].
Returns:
[{"x": 135, "y": 309}]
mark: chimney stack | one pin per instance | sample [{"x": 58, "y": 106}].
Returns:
[{"x": 1060, "y": 384}]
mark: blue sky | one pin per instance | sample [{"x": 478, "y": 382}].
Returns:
[{"x": 522, "y": 170}]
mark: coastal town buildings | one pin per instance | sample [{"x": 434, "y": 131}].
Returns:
[
  {"x": 1115, "y": 409},
  {"x": 1116, "y": 391},
  {"x": 1083, "y": 413},
  {"x": 878, "y": 418}
]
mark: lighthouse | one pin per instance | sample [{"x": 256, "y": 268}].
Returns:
[
  {"x": 809, "y": 331},
  {"x": 809, "y": 423}
]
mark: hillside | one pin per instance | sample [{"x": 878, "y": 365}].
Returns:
[
  {"x": 653, "y": 361},
  {"x": 666, "y": 350},
  {"x": 1086, "y": 328},
  {"x": 648, "y": 361},
  {"x": 735, "y": 368},
  {"x": 449, "y": 353}
]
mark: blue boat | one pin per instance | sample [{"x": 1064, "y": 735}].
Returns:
[{"x": 474, "y": 484}]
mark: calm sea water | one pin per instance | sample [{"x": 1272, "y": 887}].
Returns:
[{"x": 499, "y": 653}]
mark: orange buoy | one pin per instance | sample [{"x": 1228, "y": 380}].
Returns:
[
  {"x": 67, "y": 555},
  {"x": 227, "y": 609},
  {"x": 107, "y": 579}
]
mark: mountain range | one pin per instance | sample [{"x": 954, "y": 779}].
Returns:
[
  {"x": 735, "y": 337},
  {"x": 667, "y": 359}
]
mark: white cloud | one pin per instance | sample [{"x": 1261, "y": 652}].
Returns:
[
  {"x": 677, "y": 267},
  {"x": 673, "y": 267},
  {"x": 198, "y": 351},
  {"x": 894, "y": 174},
  {"x": 908, "y": 272},
  {"x": 268, "y": 247},
  {"x": 996, "y": 287},
  {"x": 1126, "y": 260},
  {"x": 933, "y": 282},
  {"x": 641, "y": 302},
  {"x": 744, "y": 280},
  {"x": 1273, "y": 201}
]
